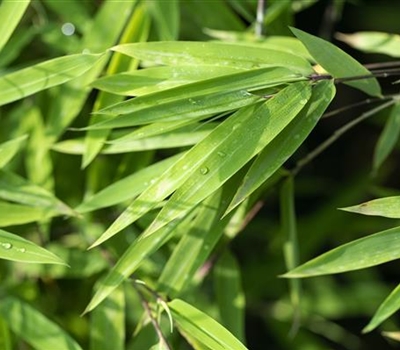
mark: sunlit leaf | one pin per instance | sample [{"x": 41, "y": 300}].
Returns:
[
  {"x": 15, "y": 214},
  {"x": 204, "y": 98},
  {"x": 388, "y": 207},
  {"x": 33, "y": 327},
  {"x": 365, "y": 252},
  {"x": 230, "y": 296},
  {"x": 11, "y": 13},
  {"x": 215, "y": 159},
  {"x": 241, "y": 139},
  {"x": 9, "y": 148},
  {"x": 214, "y": 53},
  {"x": 140, "y": 249},
  {"x": 13, "y": 247},
  {"x": 388, "y": 138},
  {"x": 374, "y": 42},
  {"x": 390, "y": 305},
  {"x": 107, "y": 323},
  {"x": 27, "y": 81},
  {"x": 285, "y": 144},
  {"x": 202, "y": 327},
  {"x": 338, "y": 63},
  {"x": 126, "y": 188}
]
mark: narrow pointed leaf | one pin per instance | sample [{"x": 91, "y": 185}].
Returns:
[
  {"x": 11, "y": 13},
  {"x": 274, "y": 155},
  {"x": 140, "y": 249},
  {"x": 338, "y": 63},
  {"x": 386, "y": 309},
  {"x": 213, "y": 53},
  {"x": 27, "y": 81},
  {"x": 16, "y": 189},
  {"x": 374, "y": 42},
  {"x": 193, "y": 100},
  {"x": 365, "y": 252},
  {"x": 15, "y": 214},
  {"x": 244, "y": 138},
  {"x": 202, "y": 327},
  {"x": 388, "y": 138},
  {"x": 33, "y": 327},
  {"x": 216, "y": 158},
  {"x": 388, "y": 207},
  {"x": 107, "y": 323},
  {"x": 126, "y": 188},
  {"x": 9, "y": 148},
  {"x": 230, "y": 296},
  {"x": 15, "y": 248}
]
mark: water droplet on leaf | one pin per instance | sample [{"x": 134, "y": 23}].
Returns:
[
  {"x": 6, "y": 245},
  {"x": 204, "y": 170}
]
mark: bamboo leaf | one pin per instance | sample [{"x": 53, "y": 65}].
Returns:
[
  {"x": 374, "y": 42},
  {"x": 388, "y": 138},
  {"x": 33, "y": 327},
  {"x": 213, "y": 53},
  {"x": 107, "y": 323},
  {"x": 126, "y": 188},
  {"x": 230, "y": 296},
  {"x": 27, "y": 81},
  {"x": 15, "y": 214},
  {"x": 388, "y": 207},
  {"x": 140, "y": 249},
  {"x": 190, "y": 101},
  {"x": 202, "y": 327},
  {"x": 240, "y": 140},
  {"x": 338, "y": 63},
  {"x": 215, "y": 159},
  {"x": 365, "y": 252},
  {"x": 274, "y": 155},
  {"x": 11, "y": 13},
  {"x": 15, "y": 248},
  {"x": 9, "y": 148},
  {"x": 390, "y": 305}
]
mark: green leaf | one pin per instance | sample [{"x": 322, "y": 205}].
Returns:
[
  {"x": 107, "y": 323},
  {"x": 369, "y": 251},
  {"x": 213, "y": 53},
  {"x": 216, "y": 158},
  {"x": 33, "y": 327},
  {"x": 388, "y": 138},
  {"x": 240, "y": 139},
  {"x": 373, "y": 42},
  {"x": 190, "y": 101},
  {"x": 386, "y": 309},
  {"x": 9, "y": 148},
  {"x": 202, "y": 327},
  {"x": 139, "y": 250},
  {"x": 11, "y": 13},
  {"x": 388, "y": 207},
  {"x": 153, "y": 79},
  {"x": 17, "y": 189},
  {"x": 126, "y": 188},
  {"x": 166, "y": 18},
  {"x": 27, "y": 81},
  {"x": 338, "y": 63},
  {"x": 5, "y": 336},
  {"x": 15, "y": 214},
  {"x": 275, "y": 154},
  {"x": 230, "y": 296},
  {"x": 15, "y": 248}
]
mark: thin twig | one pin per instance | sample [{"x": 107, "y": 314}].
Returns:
[
  {"x": 338, "y": 133},
  {"x": 382, "y": 64},
  {"x": 149, "y": 312},
  {"x": 261, "y": 6}
]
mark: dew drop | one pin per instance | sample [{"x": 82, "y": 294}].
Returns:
[
  {"x": 22, "y": 250},
  {"x": 152, "y": 181},
  {"x": 236, "y": 126},
  {"x": 185, "y": 167},
  {"x": 68, "y": 29},
  {"x": 303, "y": 102},
  {"x": 221, "y": 154},
  {"x": 204, "y": 170},
  {"x": 193, "y": 102},
  {"x": 6, "y": 245}
]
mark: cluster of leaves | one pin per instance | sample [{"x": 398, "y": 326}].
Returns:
[{"x": 178, "y": 145}]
